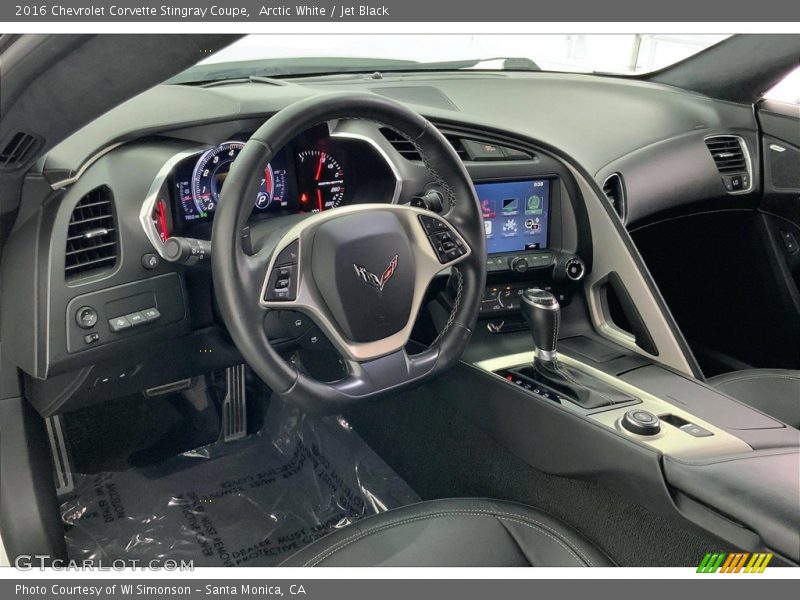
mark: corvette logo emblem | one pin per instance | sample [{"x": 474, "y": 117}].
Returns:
[{"x": 373, "y": 280}]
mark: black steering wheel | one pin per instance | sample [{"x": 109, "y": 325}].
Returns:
[{"x": 359, "y": 272}]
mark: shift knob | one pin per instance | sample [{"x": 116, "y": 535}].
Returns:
[{"x": 543, "y": 314}]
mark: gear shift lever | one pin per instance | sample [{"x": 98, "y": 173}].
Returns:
[{"x": 543, "y": 314}]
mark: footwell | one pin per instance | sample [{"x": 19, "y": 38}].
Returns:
[{"x": 248, "y": 503}]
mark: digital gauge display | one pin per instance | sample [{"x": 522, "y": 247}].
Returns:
[{"x": 199, "y": 193}]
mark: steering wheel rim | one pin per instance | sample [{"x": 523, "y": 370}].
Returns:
[{"x": 240, "y": 280}]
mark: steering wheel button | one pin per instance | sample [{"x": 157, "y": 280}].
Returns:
[
  {"x": 281, "y": 284},
  {"x": 288, "y": 255}
]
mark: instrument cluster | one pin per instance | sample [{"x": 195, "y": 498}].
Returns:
[{"x": 313, "y": 173}]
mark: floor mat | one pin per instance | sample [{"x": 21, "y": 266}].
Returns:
[{"x": 248, "y": 503}]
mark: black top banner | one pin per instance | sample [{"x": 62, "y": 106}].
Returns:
[{"x": 258, "y": 11}]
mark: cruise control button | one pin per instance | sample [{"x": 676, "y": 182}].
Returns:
[{"x": 119, "y": 324}]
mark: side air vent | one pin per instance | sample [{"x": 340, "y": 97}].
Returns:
[
  {"x": 466, "y": 148},
  {"x": 18, "y": 150},
  {"x": 91, "y": 235},
  {"x": 732, "y": 160},
  {"x": 614, "y": 189}
]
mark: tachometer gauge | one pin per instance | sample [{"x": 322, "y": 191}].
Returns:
[
  {"x": 273, "y": 185},
  {"x": 321, "y": 180},
  {"x": 211, "y": 170}
]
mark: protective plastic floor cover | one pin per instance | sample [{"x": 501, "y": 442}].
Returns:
[{"x": 248, "y": 503}]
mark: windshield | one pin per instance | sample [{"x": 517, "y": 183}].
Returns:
[{"x": 296, "y": 55}]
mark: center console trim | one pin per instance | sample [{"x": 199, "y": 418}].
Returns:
[{"x": 669, "y": 441}]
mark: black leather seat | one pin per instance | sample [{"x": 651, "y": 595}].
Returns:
[
  {"x": 775, "y": 392},
  {"x": 449, "y": 533}
]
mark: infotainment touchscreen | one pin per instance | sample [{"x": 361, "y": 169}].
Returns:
[{"x": 515, "y": 214}]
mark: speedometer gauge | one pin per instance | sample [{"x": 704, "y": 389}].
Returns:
[
  {"x": 321, "y": 180},
  {"x": 211, "y": 170}
]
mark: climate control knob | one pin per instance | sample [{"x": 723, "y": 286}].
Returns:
[{"x": 518, "y": 264}]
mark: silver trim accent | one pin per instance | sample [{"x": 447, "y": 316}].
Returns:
[
  {"x": 611, "y": 254},
  {"x": 546, "y": 355},
  {"x": 669, "y": 440},
  {"x": 747, "y": 161},
  {"x": 151, "y": 198},
  {"x": 372, "y": 142},
  {"x": 541, "y": 303},
  {"x": 62, "y": 461},
  {"x": 234, "y": 406},
  {"x": 310, "y": 302},
  {"x": 86, "y": 164},
  {"x": 622, "y": 203},
  {"x": 580, "y": 275},
  {"x": 168, "y": 388}
]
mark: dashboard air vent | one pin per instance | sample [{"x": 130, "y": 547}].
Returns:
[
  {"x": 17, "y": 150},
  {"x": 408, "y": 151},
  {"x": 466, "y": 148},
  {"x": 732, "y": 160},
  {"x": 91, "y": 235},
  {"x": 614, "y": 189},
  {"x": 728, "y": 154}
]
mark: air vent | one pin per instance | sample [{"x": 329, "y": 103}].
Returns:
[
  {"x": 727, "y": 153},
  {"x": 17, "y": 151},
  {"x": 91, "y": 235},
  {"x": 466, "y": 148},
  {"x": 409, "y": 151},
  {"x": 614, "y": 189},
  {"x": 733, "y": 162}
]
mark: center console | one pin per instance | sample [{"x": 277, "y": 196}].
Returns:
[
  {"x": 551, "y": 375},
  {"x": 524, "y": 221}
]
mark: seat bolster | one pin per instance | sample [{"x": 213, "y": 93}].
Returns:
[
  {"x": 457, "y": 532},
  {"x": 775, "y": 392}
]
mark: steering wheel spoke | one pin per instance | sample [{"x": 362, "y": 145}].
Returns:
[{"x": 365, "y": 378}]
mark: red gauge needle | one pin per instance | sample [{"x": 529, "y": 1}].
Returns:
[
  {"x": 320, "y": 164},
  {"x": 267, "y": 179},
  {"x": 162, "y": 219},
  {"x": 319, "y": 199}
]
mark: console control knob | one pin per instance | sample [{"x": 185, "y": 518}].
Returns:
[
  {"x": 518, "y": 264},
  {"x": 574, "y": 269},
  {"x": 641, "y": 422}
]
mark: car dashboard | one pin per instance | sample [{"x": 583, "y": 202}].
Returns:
[{"x": 127, "y": 224}]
